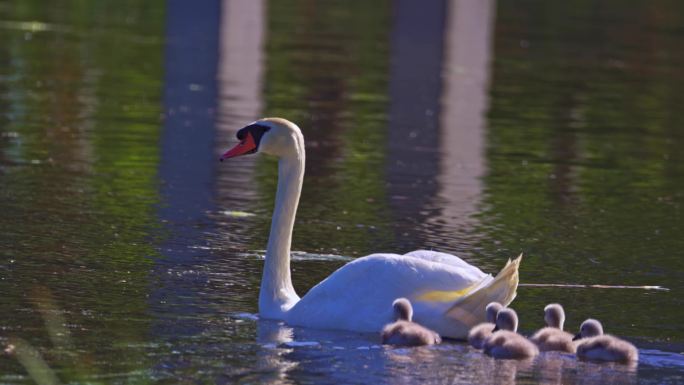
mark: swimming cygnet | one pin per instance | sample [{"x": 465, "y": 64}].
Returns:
[
  {"x": 552, "y": 337},
  {"x": 479, "y": 333},
  {"x": 596, "y": 346},
  {"x": 404, "y": 331},
  {"x": 505, "y": 342}
]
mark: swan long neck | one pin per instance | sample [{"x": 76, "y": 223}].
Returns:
[{"x": 277, "y": 295}]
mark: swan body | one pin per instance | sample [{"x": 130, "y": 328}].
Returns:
[
  {"x": 447, "y": 293},
  {"x": 505, "y": 343},
  {"x": 406, "y": 332},
  {"x": 595, "y": 346},
  {"x": 479, "y": 333},
  {"x": 552, "y": 337}
]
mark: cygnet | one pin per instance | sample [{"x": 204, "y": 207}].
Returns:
[
  {"x": 404, "y": 331},
  {"x": 595, "y": 346},
  {"x": 505, "y": 342},
  {"x": 552, "y": 337},
  {"x": 479, "y": 333}
]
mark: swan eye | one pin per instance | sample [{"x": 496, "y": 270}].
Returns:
[{"x": 257, "y": 131}]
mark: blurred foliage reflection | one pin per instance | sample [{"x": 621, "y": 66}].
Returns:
[{"x": 582, "y": 171}]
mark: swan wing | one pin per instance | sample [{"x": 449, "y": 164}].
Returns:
[
  {"x": 439, "y": 257},
  {"x": 469, "y": 309},
  {"x": 359, "y": 295},
  {"x": 452, "y": 261}
]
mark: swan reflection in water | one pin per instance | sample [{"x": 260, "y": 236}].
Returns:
[
  {"x": 272, "y": 363},
  {"x": 299, "y": 354}
]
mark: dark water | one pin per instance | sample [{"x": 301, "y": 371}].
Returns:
[{"x": 481, "y": 128}]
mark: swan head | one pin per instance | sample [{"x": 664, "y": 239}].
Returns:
[
  {"x": 507, "y": 319},
  {"x": 554, "y": 315},
  {"x": 492, "y": 310},
  {"x": 273, "y": 136},
  {"x": 589, "y": 328},
  {"x": 403, "y": 311}
]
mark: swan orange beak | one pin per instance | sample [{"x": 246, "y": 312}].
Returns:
[{"x": 246, "y": 146}]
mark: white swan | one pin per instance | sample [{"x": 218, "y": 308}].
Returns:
[
  {"x": 404, "y": 331},
  {"x": 448, "y": 294}
]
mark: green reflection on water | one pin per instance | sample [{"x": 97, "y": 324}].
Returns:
[
  {"x": 337, "y": 96},
  {"x": 584, "y": 171},
  {"x": 80, "y": 102}
]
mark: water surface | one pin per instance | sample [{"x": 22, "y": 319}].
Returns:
[{"x": 480, "y": 128}]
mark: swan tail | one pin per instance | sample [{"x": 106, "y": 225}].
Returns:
[{"x": 470, "y": 309}]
